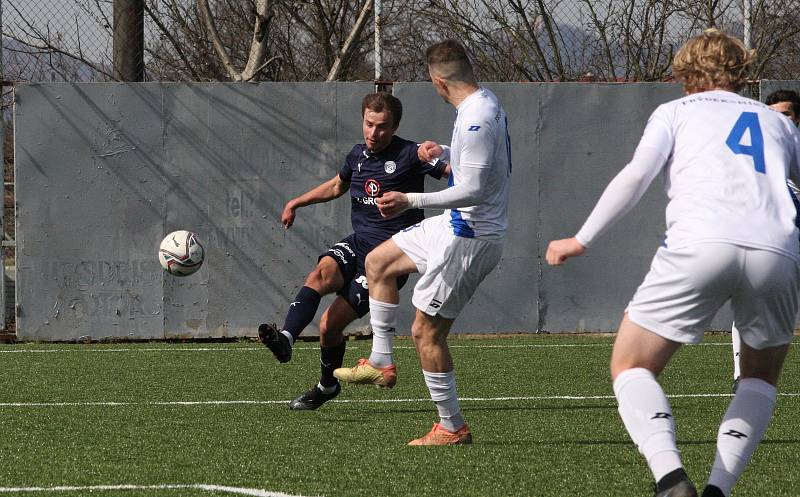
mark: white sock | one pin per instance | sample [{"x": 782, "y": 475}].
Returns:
[
  {"x": 442, "y": 387},
  {"x": 383, "y": 318},
  {"x": 325, "y": 389},
  {"x": 289, "y": 336},
  {"x": 742, "y": 429},
  {"x": 736, "y": 340},
  {"x": 647, "y": 416}
]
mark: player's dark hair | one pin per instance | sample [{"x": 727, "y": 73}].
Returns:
[
  {"x": 785, "y": 96},
  {"x": 382, "y": 102},
  {"x": 449, "y": 60}
]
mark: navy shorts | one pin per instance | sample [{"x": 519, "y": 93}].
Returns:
[{"x": 350, "y": 253}]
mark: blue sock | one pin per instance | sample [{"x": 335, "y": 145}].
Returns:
[{"x": 301, "y": 311}]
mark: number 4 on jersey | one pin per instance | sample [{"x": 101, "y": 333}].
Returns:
[{"x": 748, "y": 121}]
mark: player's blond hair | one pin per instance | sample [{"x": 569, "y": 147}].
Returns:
[{"x": 712, "y": 60}]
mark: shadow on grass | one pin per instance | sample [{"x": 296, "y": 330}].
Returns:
[
  {"x": 399, "y": 410},
  {"x": 553, "y": 443},
  {"x": 564, "y": 443},
  {"x": 774, "y": 441}
]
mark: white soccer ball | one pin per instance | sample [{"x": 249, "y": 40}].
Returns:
[{"x": 180, "y": 253}]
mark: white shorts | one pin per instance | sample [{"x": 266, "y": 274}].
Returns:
[
  {"x": 686, "y": 287},
  {"x": 452, "y": 267}
]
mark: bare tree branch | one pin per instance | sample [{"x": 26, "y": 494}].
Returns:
[
  {"x": 177, "y": 46},
  {"x": 348, "y": 46},
  {"x": 46, "y": 44},
  {"x": 258, "y": 47},
  {"x": 222, "y": 53},
  {"x": 602, "y": 27}
]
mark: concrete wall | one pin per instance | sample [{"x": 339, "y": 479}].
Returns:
[{"x": 104, "y": 171}]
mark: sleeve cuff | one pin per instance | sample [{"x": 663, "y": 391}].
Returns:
[
  {"x": 582, "y": 239},
  {"x": 414, "y": 201}
]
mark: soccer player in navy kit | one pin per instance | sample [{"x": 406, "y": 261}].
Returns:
[{"x": 384, "y": 162}]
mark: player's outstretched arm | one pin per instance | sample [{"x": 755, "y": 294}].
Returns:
[
  {"x": 331, "y": 189},
  {"x": 558, "y": 251}
]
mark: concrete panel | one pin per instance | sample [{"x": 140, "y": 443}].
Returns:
[
  {"x": 90, "y": 187},
  {"x": 588, "y": 133},
  {"x": 128, "y": 163}
]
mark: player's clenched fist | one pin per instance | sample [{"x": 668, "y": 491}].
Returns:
[
  {"x": 558, "y": 251},
  {"x": 287, "y": 217},
  {"x": 428, "y": 151},
  {"x": 392, "y": 203}
]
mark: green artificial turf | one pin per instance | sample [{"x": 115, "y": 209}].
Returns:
[{"x": 541, "y": 445}]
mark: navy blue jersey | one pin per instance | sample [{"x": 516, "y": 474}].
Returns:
[{"x": 395, "y": 168}]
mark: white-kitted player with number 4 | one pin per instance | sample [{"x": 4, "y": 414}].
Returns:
[{"x": 730, "y": 237}]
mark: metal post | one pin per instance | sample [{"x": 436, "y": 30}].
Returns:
[
  {"x": 129, "y": 40},
  {"x": 3, "y": 164},
  {"x": 378, "y": 53},
  {"x": 747, "y": 9}
]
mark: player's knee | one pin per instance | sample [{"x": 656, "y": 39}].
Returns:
[
  {"x": 375, "y": 266},
  {"x": 319, "y": 279}
]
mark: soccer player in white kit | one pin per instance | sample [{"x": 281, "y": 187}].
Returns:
[
  {"x": 453, "y": 251},
  {"x": 730, "y": 236}
]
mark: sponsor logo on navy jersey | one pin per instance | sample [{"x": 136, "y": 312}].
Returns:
[{"x": 372, "y": 187}]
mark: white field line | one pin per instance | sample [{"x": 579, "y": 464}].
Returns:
[
  {"x": 353, "y": 347},
  {"x": 200, "y": 486},
  {"x": 349, "y": 401}
]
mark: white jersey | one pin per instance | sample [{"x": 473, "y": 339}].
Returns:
[
  {"x": 727, "y": 161},
  {"x": 480, "y": 140}
]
